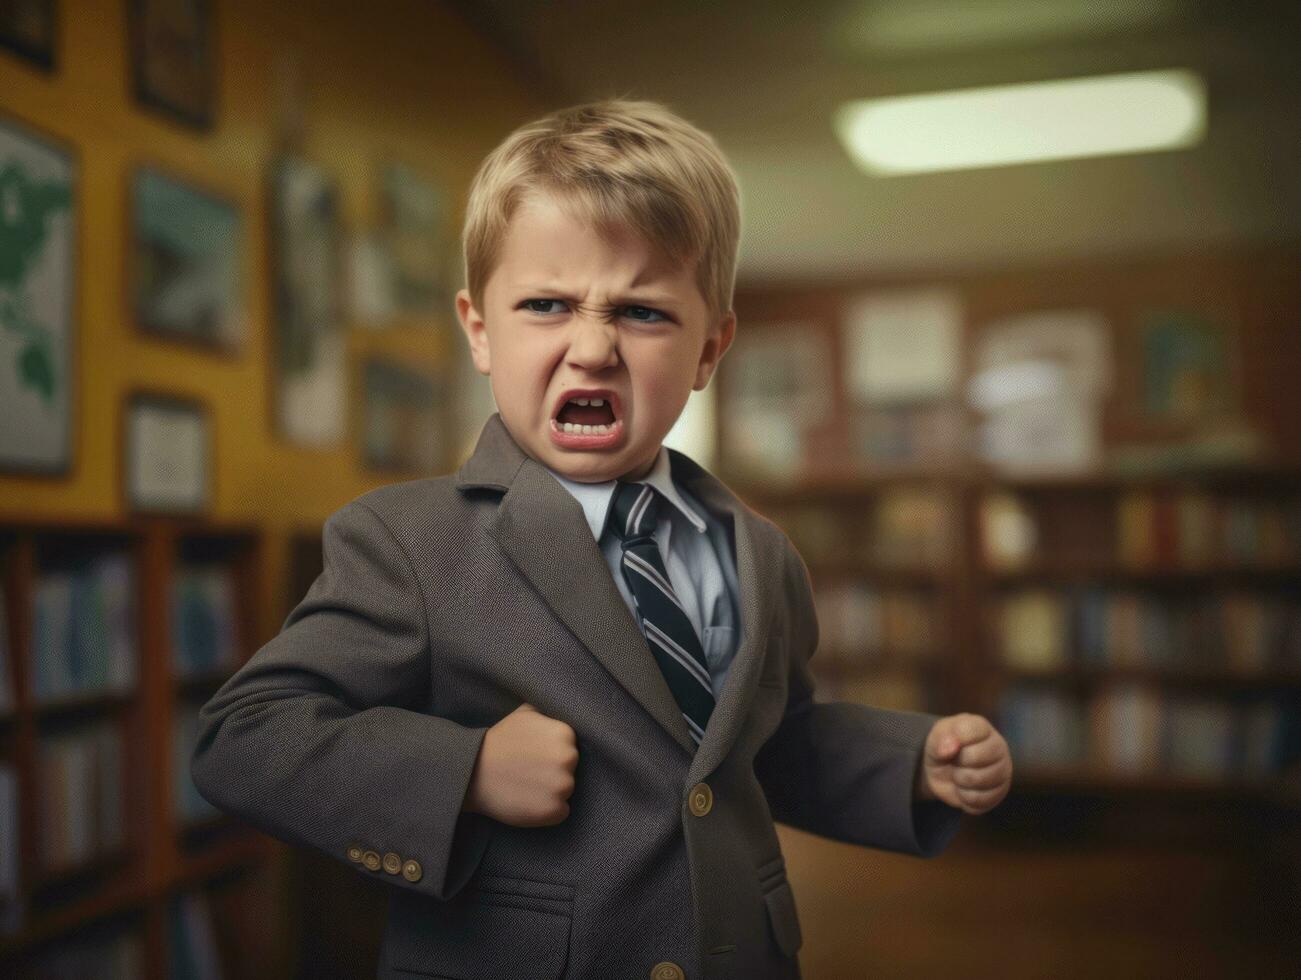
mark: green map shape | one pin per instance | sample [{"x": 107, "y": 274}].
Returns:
[{"x": 25, "y": 210}]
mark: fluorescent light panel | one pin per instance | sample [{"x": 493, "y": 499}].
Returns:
[
  {"x": 920, "y": 26},
  {"x": 1135, "y": 112}
]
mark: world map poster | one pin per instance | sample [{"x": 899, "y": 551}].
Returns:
[{"x": 37, "y": 234}]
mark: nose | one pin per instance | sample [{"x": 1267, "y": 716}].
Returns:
[{"x": 593, "y": 343}]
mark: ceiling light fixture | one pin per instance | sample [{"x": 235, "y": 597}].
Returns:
[{"x": 1135, "y": 112}]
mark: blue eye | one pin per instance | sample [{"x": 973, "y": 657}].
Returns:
[
  {"x": 633, "y": 310},
  {"x": 529, "y": 304}
]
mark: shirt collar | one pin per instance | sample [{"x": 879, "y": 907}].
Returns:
[{"x": 595, "y": 498}]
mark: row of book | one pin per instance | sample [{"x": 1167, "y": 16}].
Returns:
[
  {"x": 899, "y": 528},
  {"x": 191, "y": 940},
  {"x": 1136, "y": 730},
  {"x": 6, "y": 684},
  {"x": 1183, "y": 529},
  {"x": 205, "y": 634},
  {"x": 1192, "y": 528},
  {"x": 10, "y": 855},
  {"x": 84, "y": 635},
  {"x": 81, "y": 795},
  {"x": 1238, "y": 632},
  {"x": 860, "y": 624},
  {"x": 190, "y": 803}
]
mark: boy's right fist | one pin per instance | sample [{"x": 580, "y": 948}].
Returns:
[{"x": 525, "y": 770}]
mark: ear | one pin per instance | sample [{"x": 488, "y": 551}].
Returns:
[
  {"x": 716, "y": 344},
  {"x": 476, "y": 331}
]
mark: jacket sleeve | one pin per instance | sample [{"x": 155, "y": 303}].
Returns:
[
  {"x": 319, "y": 739},
  {"x": 846, "y": 771}
]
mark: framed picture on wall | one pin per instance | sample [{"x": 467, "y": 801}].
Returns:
[
  {"x": 310, "y": 367},
  {"x": 186, "y": 281},
  {"x": 1189, "y": 365},
  {"x": 173, "y": 68},
  {"x": 28, "y": 28},
  {"x": 414, "y": 213},
  {"x": 167, "y": 441},
  {"x": 406, "y": 422},
  {"x": 777, "y": 386},
  {"x": 38, "y": 185}
]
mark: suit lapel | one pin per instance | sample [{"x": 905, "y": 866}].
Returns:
[
  {"x": 755, "y": 556},
  {"x": 541, "y": 528}
]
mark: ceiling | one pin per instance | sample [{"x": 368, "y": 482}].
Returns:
[{"x": 764, "y": 77}]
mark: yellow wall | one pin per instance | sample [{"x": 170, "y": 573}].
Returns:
[{"x": 391, "y": 79}]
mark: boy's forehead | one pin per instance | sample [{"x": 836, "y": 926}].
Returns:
[{"x": 640, "y": 263}]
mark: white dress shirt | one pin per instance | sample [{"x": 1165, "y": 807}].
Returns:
[{"x": 697, "y": 555}]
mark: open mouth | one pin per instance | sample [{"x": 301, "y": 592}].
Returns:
[{"x": 587, "y": 413}]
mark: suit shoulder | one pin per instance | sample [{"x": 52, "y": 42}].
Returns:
[
  {"x": 400, "y": 497},
  {"x": 410, "y": 505}
]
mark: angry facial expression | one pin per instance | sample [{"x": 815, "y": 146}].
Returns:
[{"x": 592, "y": 343}]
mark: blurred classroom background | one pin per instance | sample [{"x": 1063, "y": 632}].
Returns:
[{"x": 1017, "y": 370}]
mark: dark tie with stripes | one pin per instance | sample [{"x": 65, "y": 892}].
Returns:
[{"x": 668, "y": 630}]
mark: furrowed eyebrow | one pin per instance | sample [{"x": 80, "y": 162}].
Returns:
[{"x": 664, "y": 304}]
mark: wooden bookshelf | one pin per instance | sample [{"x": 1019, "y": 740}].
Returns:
[
  {"x": 1179, "y": 644},
  {"x": 1107, "y": 536},
  {"x": 117, "y": 903},
  {"x": 887, "y": 597},
  {"x": 1083, "y": 544}
]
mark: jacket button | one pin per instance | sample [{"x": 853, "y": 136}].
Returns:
[
  {"x": 371, "y": 860},
  {"x": 667, "y": 971},
  {"x": 354, "y": 853},
  {"x": 411, "y": 871},
  {"x": 392, "y": 863},
  {"x": 701, "y": 801}
]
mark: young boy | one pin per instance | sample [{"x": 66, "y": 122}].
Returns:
[{"x": 558, "y": 699}]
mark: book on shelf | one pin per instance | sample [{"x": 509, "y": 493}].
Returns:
[
  {"x": 1125, "y": 729},
  {"x": 6, "y": 687},
  {"x": 1008, "y": 533},
  {"x": 1033, "y": 630},
  {"x": 1261, "y": 532},
  {"x": 1199, "y": 736},
  {"x": 1240, "y": 633},
  {"x": 858, "y": 623},
  {"x": 1192, "y": 529},
  {"x": 81, "y": 805},
  {"x": 10, "y": 855},
  {"x": 190, "y": 803},
  {"x": 1188, "y": 528},
  {"x": 192, "y": 947},
  {"x": 1133, "y": 729},
  {"x": 1136, "y": 527},
  {"x": 83, "y": 629},
  {"x": 912, "y": 528},
  {"x": 820, "y": 534},
  {"x": 1044, "y": 729},
  {"x": 205, "y": 635}
]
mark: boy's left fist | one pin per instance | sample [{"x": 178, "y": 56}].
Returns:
[{"x": 966, "y": 764}]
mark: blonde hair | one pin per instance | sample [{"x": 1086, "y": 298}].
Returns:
[{"x": 616, "y": 163}]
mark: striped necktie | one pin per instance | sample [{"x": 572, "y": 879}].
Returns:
[{"x": 668, "y": 631}]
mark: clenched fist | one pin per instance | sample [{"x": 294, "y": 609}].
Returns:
[
  {"x": 966, "y": 763},
  {"x": 525, "y": 770}
]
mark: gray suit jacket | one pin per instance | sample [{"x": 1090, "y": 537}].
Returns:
[{"x": 447, "y": 602}]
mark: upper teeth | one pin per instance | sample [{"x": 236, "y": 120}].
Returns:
[{"x": 588, "y": 401}]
